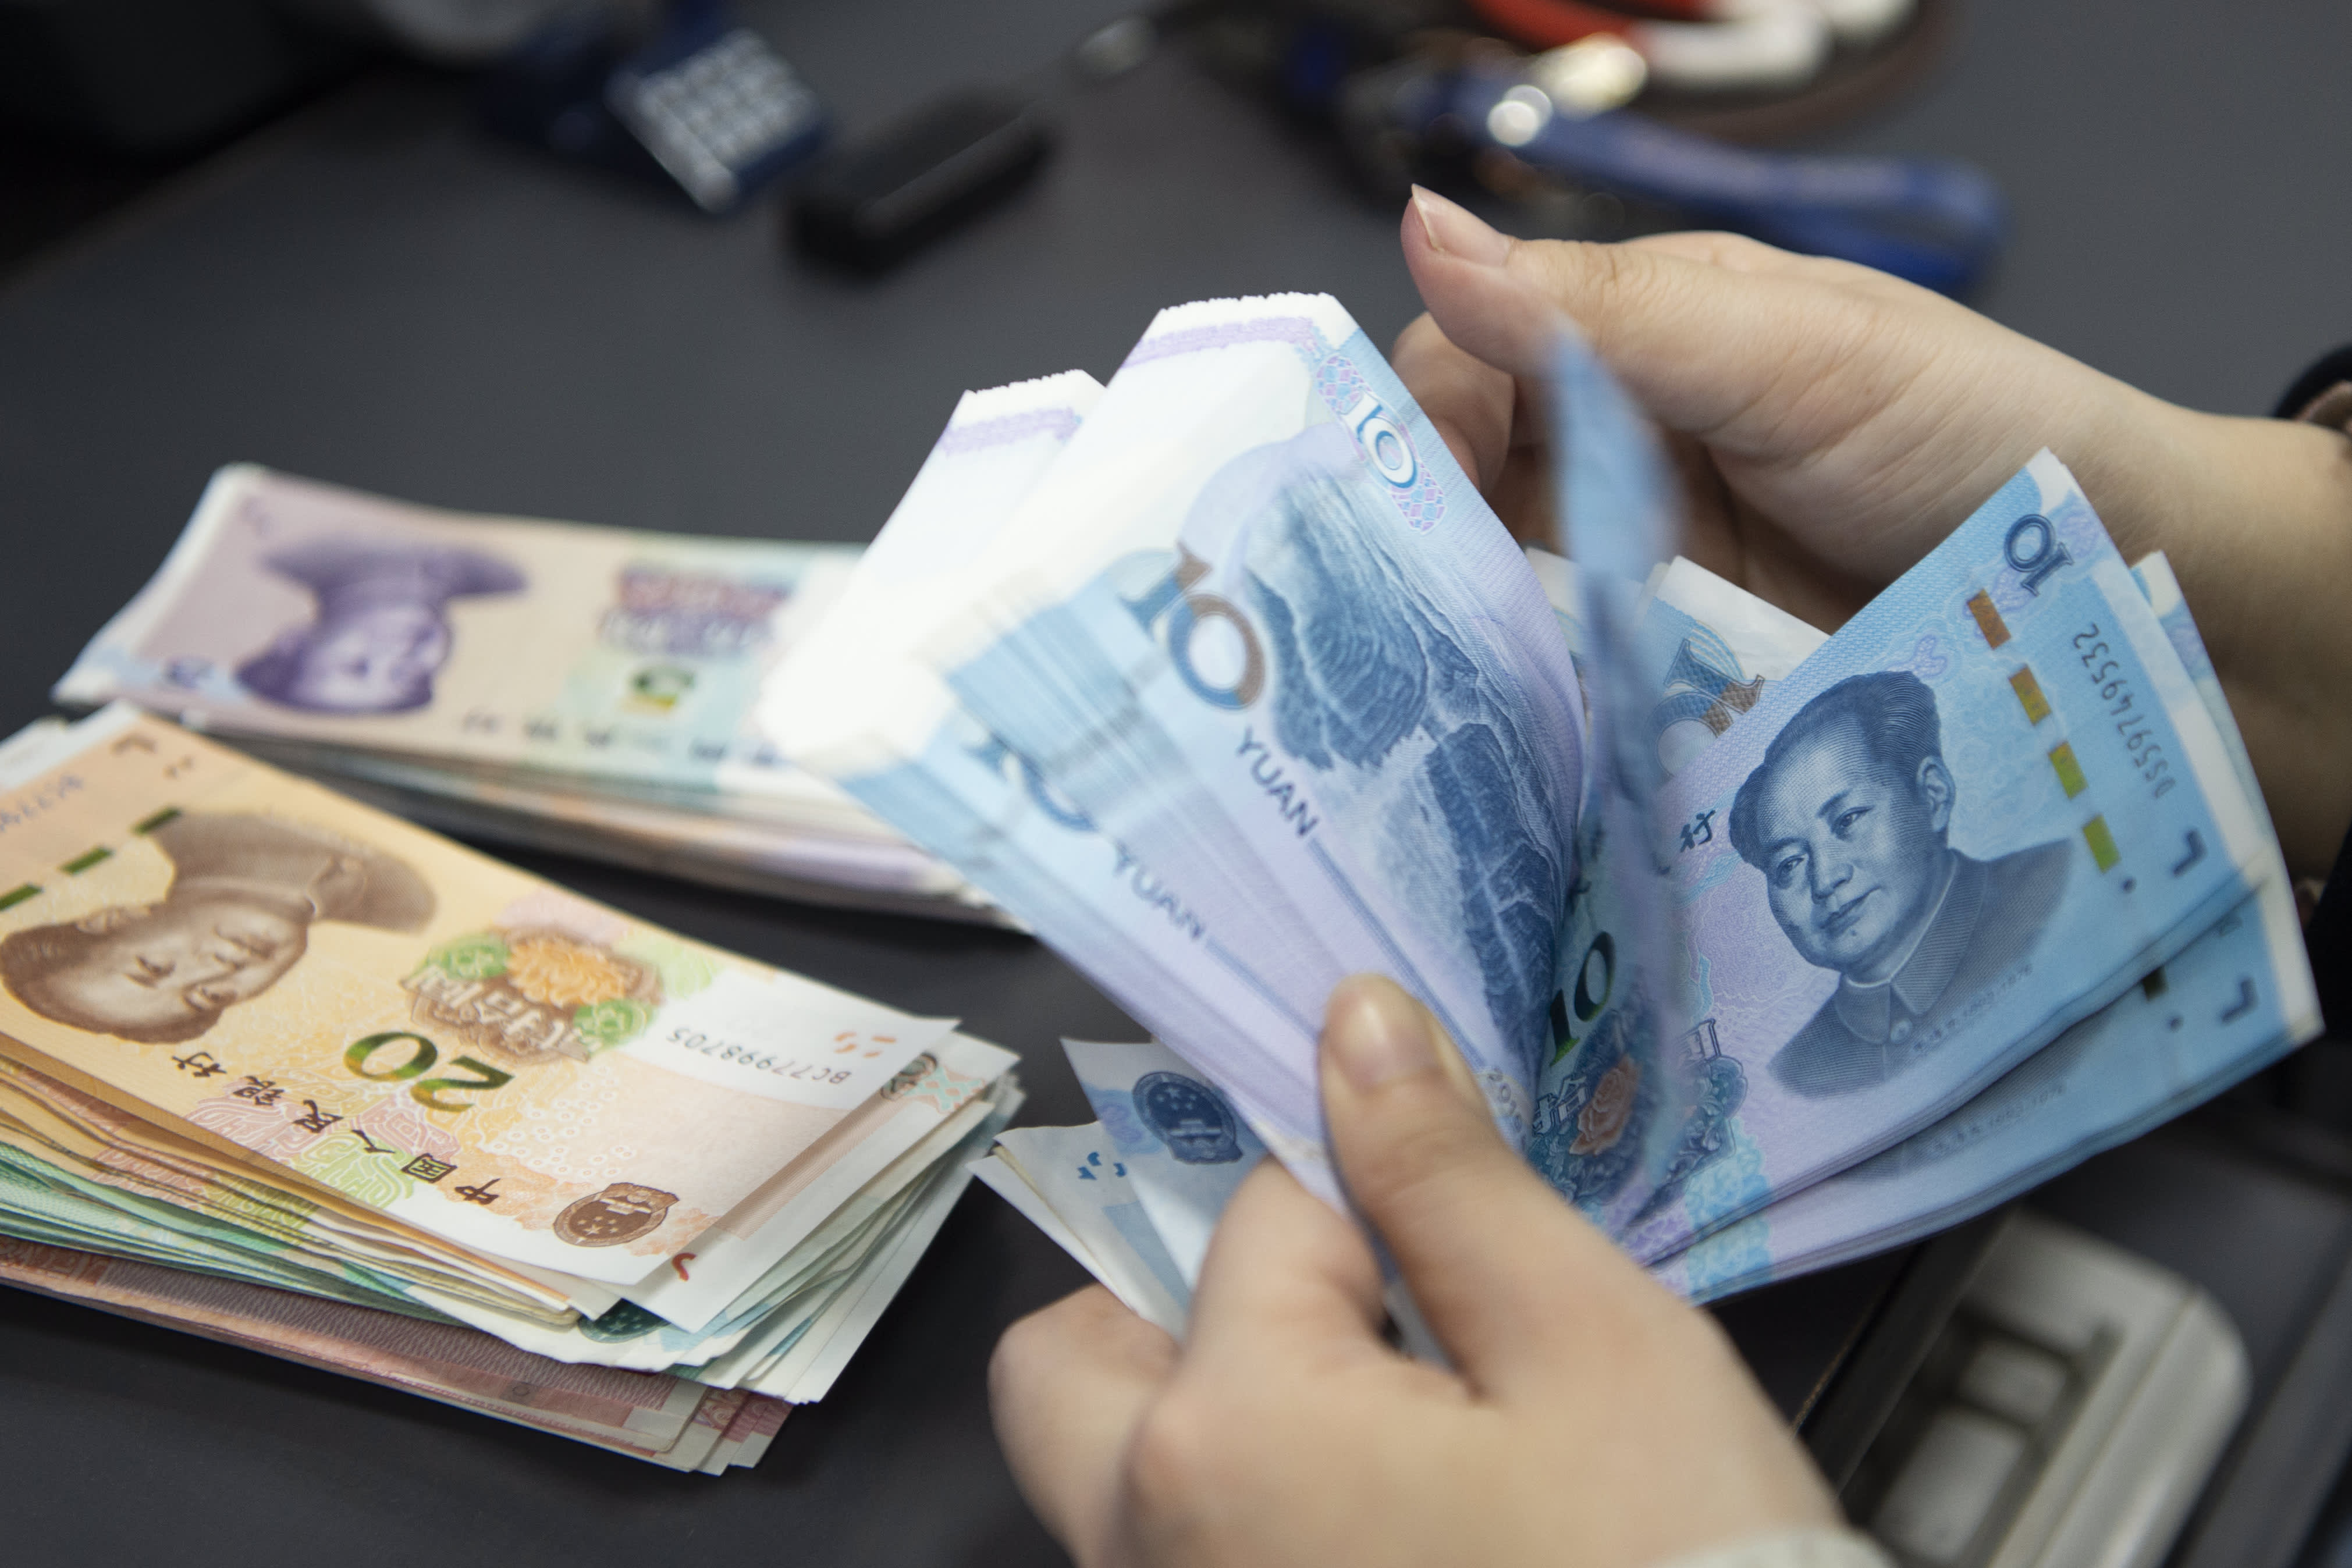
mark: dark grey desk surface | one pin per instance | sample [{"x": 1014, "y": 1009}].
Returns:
[{"x": 374, "y": 295}]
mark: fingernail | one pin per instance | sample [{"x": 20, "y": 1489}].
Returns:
[
  {"x": 1378, "y": 1032},
  {"x": 1455, "y": 230}
]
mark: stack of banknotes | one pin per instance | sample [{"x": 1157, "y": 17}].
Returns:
[
  {"x": 551, "y": 684},
  {"x": 281, "y": 1069},
  {"x": 1769, "y": 949}
]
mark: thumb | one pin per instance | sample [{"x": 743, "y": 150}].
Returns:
[
  {"x": 1718, "y": 337},
  {"x": 1499, "y": 1266}
]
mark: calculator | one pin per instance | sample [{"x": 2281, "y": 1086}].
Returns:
[
  {"x": 2070, "y": 1413},
  {"x": 716, "y": 106}
]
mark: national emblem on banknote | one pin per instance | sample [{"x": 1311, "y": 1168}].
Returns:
[
  {"x": 1189, "y": 1118},
  {"x": 624, "y": 1212},
  {"x": 1848, "y": 817},
  {"x": 245, "y": 891}
]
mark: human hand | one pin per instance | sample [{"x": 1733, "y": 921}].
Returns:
[
  {"x": 1831, "y": 424},
  {"x": 1590, "y": 1419}
]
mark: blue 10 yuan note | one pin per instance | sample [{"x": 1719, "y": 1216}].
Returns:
[
  {"x": 2234, "y": 1000},
  {"x": 1983, "y": 810},
  {"x": 1080, "y": 1192},
  {"x": 1338, "y": 686},
  {"x": 1618, "y": 1122},
  {"x": 951, "y": 785},
  {"x": 1185, "y": 1147},
  {"x": 2229, "y": 1004}
]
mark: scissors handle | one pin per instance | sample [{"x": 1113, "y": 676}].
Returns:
[{"x": 1936, "y": 222}]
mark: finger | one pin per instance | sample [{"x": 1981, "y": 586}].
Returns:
[
  {"x": 1524, "y": 498},
  {"x": 1288, "y": 1281},
  {"x": 1738, "y": 253},
  {"x": 1709, "y": 350},
  {"x": 1469, "y": 402},
  {"x": 1462, "y": 269},
  {"x": 1715, "y": 247},
  {"x": 1067, "y": 1386},
  {"x": 1502, "y": 1270}
]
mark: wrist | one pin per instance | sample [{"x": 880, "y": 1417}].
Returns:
[
  {"x": 2140, "y": 460},
  {"x": 2255, "y": 515}
]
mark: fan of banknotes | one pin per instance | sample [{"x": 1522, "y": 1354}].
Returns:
[
  {"x": 549, "y": 685},
  {"x": 283, "y": 1070},
  {"x": 1769, "y": 949}
]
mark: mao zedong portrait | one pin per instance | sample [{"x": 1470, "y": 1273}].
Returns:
[
  {"x": 245, "y": 891},
  {"x": 1847, "y": 817},
  {"x": 383, "y": 627}
]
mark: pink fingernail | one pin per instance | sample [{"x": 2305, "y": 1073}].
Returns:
[
  {"x": 1455, "y": 230},
  {"x": 1378, "y": 1032}
]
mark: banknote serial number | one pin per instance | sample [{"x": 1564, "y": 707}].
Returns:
[
  {"x": 778, "y": 1064},
  {"x": 2114, "y": 688}
]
